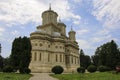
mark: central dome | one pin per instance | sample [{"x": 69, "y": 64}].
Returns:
[{"x": 49, "y": 16}]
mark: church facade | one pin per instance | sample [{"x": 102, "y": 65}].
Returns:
[{"x": 51, "y": 46}]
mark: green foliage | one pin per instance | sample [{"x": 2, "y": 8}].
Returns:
[
  {"x": 1, "y": 63},
  {"x": 88, "y": 76},
  {"x": 85, "y": 60},
  {"x": 81, "y": 70},
  {"x": 95, "y": 59},
  {"x": 107, "y": 55},
  {"x": 8, "y": 69},
  {"x": 92, "y": 68},
  {"x": 103, "y": 68},
  {"x": 21, "y": 53},
  {"x": 24, "y": 70},
  {"x": 57, "y": 69}
]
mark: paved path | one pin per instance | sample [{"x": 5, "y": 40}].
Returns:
[{"x": 41, "y": 76}]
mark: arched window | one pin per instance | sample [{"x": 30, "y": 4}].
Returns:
[
  {"x": 48, "y": 46},
  {"x": 35, "y": 44},
  {"x": 40, "y": 45},
  {"x": 56, "y": 46},
  {"x": 60, "y": 47}
]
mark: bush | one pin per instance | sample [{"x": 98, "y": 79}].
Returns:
[
  {"x": 8, "y": 69},
  {"x": 108, "y": 69},
  {"x": 103, "y": 68},
  {"x": 24, "y": 71},
  {"x": 27, "y": 70},
  {"x": 92, "y": 68},
  {"x": 81, "y": 70},
  {"x": 57, "y": 69}
]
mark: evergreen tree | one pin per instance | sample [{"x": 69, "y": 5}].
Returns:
[
  {"x": 21, "y": 53},
  {"x": 85, "y": 60}
]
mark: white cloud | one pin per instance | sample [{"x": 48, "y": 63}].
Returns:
[
  {"x": 103, "y": 32},
  {"x": 102, "y": 38},
  {"x": 24, "y": 11},
  {"x": 15, "y": 32},
  {"x": 84, "y": 44},
  {"x": 1, "y": 30},
  {"x": 77, "y": 1},
  {"x": 108, "y": 12},
  {"x": 82, "y": 31}
]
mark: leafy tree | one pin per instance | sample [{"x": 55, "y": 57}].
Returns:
[
  {"x": 85, "y": 60},
  {"x": 107, "y": 55},
  {"x": 21, "y": 53}
]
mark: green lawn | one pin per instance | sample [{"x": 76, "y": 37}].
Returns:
[
  {"x": 14, "y": 76},
  {"x": 89, "y": 76}
]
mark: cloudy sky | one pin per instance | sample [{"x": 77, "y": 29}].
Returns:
[{"x": 95, "y": 21}]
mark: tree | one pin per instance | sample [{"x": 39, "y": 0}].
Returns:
[
  {"x": 85, "y": 60},
  {"x": 21, "y": 53},
  {"x": 6, "y": 61},
  {"x": 1, "y": 62},
  {"x": 107, "y": 55},
  {"x": 95, "y": 58}
]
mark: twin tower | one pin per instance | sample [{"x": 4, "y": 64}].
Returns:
[{"x": 51, "y": 46}]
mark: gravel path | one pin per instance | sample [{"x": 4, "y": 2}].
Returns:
[{"x": 42, "y": 76}]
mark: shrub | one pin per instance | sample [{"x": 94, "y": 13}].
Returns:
[
  {"x": 24, "y": 71},
  {"x": 91, "y": 68},
  {"x": 57, "y": 69},
  {"x": 108, "y": 69},
  {"x": 103, "y": 68},
  {"x": 27, "y": 70},
  {"x": 8, "y": 69},
  {"x": 81, "y": 70}
]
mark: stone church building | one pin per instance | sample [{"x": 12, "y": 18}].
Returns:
[{"x": 51, "y": 46}]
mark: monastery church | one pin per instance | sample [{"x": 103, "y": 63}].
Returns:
[{"x": 51, "y": 46}]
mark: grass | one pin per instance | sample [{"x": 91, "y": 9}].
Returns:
[
  {"x": 14, "y": 76},
  {"x": 89, "y": 76}
]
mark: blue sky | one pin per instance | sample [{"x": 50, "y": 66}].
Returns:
[{"x": 95, "y": 21}]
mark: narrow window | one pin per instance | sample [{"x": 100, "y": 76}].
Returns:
[
  {"x": 60, "y": 58},
  {"x": 40, "y": 57},
  {"x": 75, "y": 60},
  {"x": 35, "y": 55},
  {"x": 56, "y": 58},
  {"x": 63, "y": 57},
  {"x": 48, "y": 57},
  {"x": 35, "y": 44},
  {"x": 72, "y": 59}
]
